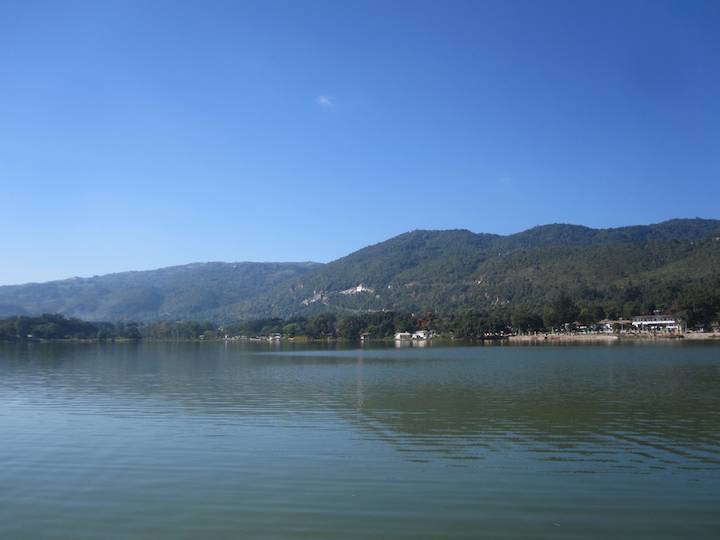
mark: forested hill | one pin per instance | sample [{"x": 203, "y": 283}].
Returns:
[
  {"x": 192, "y": 291},
  {"x": 619, "y": 271},
  {"x": 624, "y": 270}
]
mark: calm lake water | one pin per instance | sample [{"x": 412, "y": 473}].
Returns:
[{"x": 233, "y": 441}]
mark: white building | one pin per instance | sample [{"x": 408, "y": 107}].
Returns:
[
  {"x": 403, "y": 336},
  {"x": 358, "y": 289},
  {"x": 657, "y": 323}
]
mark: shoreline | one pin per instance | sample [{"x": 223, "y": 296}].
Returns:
[
  {"x": 517, "y": 339},
  {"x": 604, "y": 338}
]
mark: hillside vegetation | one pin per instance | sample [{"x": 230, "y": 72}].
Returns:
[
  {"x": 606, "y": 272},
  {"x": 178, "y": 292},
  {"x": 619, "y": 272}
]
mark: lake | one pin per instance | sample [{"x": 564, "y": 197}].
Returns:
[{"x": 215, "y": 440}]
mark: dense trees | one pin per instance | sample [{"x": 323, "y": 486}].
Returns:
[
  {"x": 54, "y": 326},
  {"x": 179, "y": 330},
  {"x": 560, "y": 311},
  {"x": 699, "y": 308},
  {"x": 321, "y": 326},
  {"x": 524, "y": 320},
  {"x": 377, "y": 324}
]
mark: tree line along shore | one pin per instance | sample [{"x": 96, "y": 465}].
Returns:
[{"x": 560, "y": 320}]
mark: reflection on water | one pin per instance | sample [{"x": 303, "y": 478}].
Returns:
[{"x": 197, "y": 440}]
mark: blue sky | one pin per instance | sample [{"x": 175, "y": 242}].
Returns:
[{"x": 135, "y": 135}]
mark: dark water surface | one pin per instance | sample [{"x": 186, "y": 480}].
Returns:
[{"x": 231, "y": 441}]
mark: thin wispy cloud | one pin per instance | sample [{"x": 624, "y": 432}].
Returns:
[
  {"x": 505, "y": 179},
  {"x": 325, "y": 101}
]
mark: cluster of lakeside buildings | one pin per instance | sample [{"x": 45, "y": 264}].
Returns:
[{"x": 657, "y": 324}]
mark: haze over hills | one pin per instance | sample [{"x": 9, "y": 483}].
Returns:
[
  {"x": 176, "y": 292},
  {"x": 626, "y": 270}
]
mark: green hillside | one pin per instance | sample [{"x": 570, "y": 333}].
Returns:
[
  {"x": 624, "y": 270},
  {"x": 191, "y": 291},
  {"x": 614, "y": 272}
]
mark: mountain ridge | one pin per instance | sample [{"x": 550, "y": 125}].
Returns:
[{"x": 437, "y": 270}]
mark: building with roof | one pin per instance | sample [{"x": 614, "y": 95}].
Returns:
[{"x": 658, "y": 322}]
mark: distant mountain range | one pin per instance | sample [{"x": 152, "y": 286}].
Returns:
[{"x": 631, "y": 268}]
